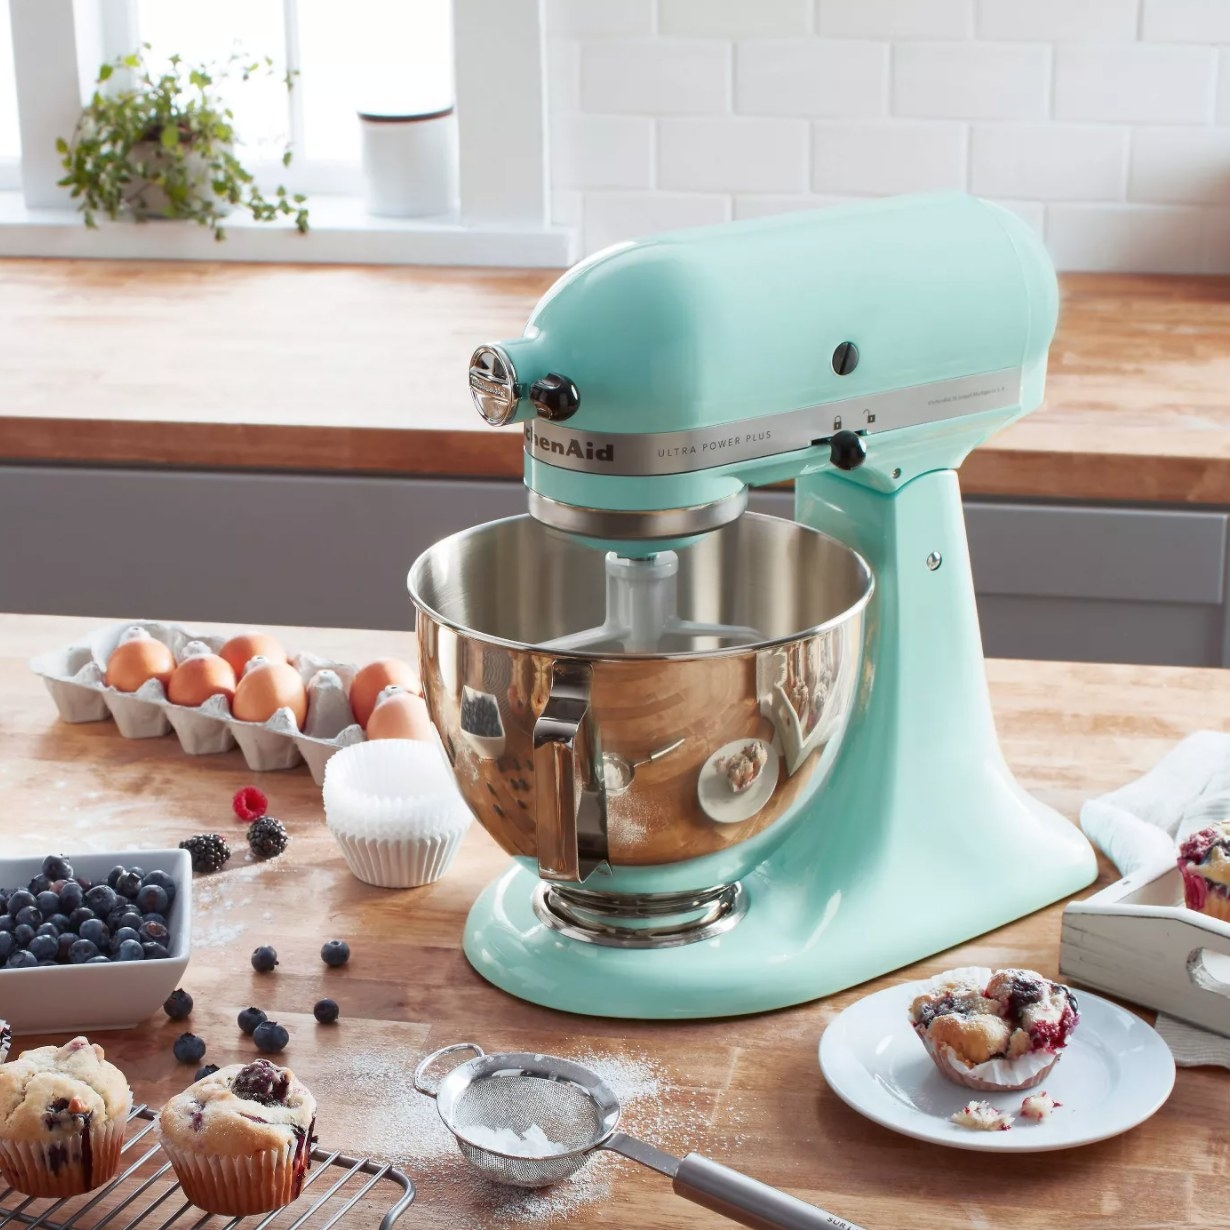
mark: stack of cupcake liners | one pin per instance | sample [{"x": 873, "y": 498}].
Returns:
[{"x": 395, "y": 811}]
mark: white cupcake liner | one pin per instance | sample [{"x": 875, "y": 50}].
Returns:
[
  {"x": 237, "y": 1186},
  {"x": 35, "y": 1169},
  {"x": 392, "y": 863}
]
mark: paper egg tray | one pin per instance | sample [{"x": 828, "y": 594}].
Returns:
[{"x": 74, "y": 677}]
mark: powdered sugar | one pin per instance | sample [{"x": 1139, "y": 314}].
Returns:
[{"x": 214, "y": 896}]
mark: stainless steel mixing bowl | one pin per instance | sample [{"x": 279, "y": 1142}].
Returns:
[{"x": 565, "y": 755}]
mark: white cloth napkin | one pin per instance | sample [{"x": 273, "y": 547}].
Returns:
[{"x": 1144, "y": 822}]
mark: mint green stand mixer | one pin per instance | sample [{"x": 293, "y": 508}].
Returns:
[{"x": 743, "y": 762}]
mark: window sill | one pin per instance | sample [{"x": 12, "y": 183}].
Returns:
[{"x": 342, "y": 232}]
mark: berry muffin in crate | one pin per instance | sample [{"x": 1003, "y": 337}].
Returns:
[
  {"x": 1204, "y": 860},
  {"x": 240, "y": 1139},
  {"x": 994, "y": 1030},
  {"x": 63, "y": 1111}
]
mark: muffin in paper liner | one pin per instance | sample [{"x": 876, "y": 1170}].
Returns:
[
  {"x": 395, "y": 811},
  {"x": 997, "y": 1075},
  {"x": 6, "y": 1039},
  {"x": 1205, "y": 851},
  {"x": 238, "y": 1186},
  {"x": 66, "y": 1166}
]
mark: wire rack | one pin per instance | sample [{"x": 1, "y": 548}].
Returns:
[{"x": 146, "y": 1194}]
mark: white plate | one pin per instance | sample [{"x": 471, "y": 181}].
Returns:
[
  {"x": 1114, "y": 1073},
  {"x": 722, "y": 804}
]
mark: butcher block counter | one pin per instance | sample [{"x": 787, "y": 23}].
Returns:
[
  {"x": 746, "y": 1091},
  {"x": 361, "y": 370}
]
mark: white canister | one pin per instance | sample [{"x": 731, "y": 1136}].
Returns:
[{"x": 410, "y": 162}]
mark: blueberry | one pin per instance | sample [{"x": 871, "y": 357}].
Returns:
[
  {"x": 264, "y": 959},
  {"x": 115, "y": 920},
  {"x": 160, "y": 919},
  {"x": 60, "y": 923},
  {"x": 21, "y": 959},
  {"x": 270, "y": 1037},
  {"x": 85, "y": 882},
  {"x": 129, "y": 950},
  {"x": 66, "y": 941},
  {"x": 47, "y": 928},
  {"x": 71, "y": 897},
  {"x": 130, "y": 919},
  {"x": 48, "y": 903},
  {"x": 39, "y": 884},
  {"x": 124, "y": 933},
  {"x": 45, "y": 947},
  {"x": 153, "y": 899},
  {"x": 114, "y": 874},
  {"x": 6, "y": 922},
  {"x": 23, "y": 935},
  {"x": 178, "y": 1005},
  {"x": 139, "y": 872},
  {"x": 250, "y": 1018},
  {"x": 326, "y": 1011},
  {"x": 189, "y": 1048},
  {"x": 31, "y": 916},
  {"x": 153, "y": 933},
  {"x": 102, "y": 899},
  {"x": 19, "y": 900},
  {"x": 96, "y": 932},
  {"x": 335, "y": 952},
  {"x": 162, "y": 880},
  {"x": 156, "y": 952},
  {"x": 57, "y": 868},
  {"x": 99, "y": 960},
  {"x": 8, "y": 946},
  {"x": 79, "y": 915},
  {"x": 128, "y": 885},
  {"x": 208, "y": 1070},
  {"x": 82, "y": 951}
]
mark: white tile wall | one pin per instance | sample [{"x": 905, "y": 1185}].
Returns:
[{"x": 1104, "y": 123}]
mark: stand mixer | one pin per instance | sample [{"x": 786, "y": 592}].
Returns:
[{"x": 743, "y": 762}]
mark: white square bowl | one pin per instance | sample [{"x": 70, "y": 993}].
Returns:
[{"x": 76, "y": 999}]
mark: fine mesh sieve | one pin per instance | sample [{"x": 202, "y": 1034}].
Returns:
[{"x": 578, "y": 1113}]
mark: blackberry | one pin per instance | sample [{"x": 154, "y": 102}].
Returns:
[
  {"x": 189, "y": 1048},
  {"x": 262, "y": 1081},
  {"x": 264, "y": 959},
  {"x": 178, "y": 1005},
  {"x": 250, "y": 1018},
  {"x": 208, "y": 1070},
  {"x": 326, "y": 1011},
  {"x": 267, "y": 837},
  {"x": 57, "y": 868},
  {"x": 270, "y": 1037},
  {"x": 209, "y": 852},
  {"x": 335, "y": 953}
]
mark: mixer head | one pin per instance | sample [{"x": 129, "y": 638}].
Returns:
[{"x": 661, "y": 378}]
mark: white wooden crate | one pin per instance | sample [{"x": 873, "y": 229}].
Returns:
[{"x": 1137, "y": 940}]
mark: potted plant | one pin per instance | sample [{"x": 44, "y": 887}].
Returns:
[{"x": 163, "y": 146}]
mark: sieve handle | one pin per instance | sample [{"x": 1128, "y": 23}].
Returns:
[
  {"x": 748, "y": 1201},
  {"x": 421, "y": 1070}
]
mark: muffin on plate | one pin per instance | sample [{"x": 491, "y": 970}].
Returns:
[
  {"x": 1204, "y": 860},
  {"x": 63, "y": 1111},
  {"x": 6, "y": 1039},
  {"x": 240, "y": 1139},
  {"x": 994, "y": 1030}
]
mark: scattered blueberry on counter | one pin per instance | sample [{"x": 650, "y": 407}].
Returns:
[
  {"x": 270, "y": 1037},
  {"x": 250, "y": 1018},
  {"x": 335, "y": 953},
  {"x": 189, "y": 1048},
  {"x": 264, "y": 959},
  {"x": 178, "y": 1005},
  {"x": 326, "y": 1011}
]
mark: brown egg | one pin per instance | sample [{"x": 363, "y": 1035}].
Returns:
[
  {"x": 266, "y": 688},
  {"x": 137, "y": 660},
  {"x": 400, "y": 716},
  {"x": 240, "y": 650},
  {"x": 374, "y": 678},
  {"x": 196, "y": 679}
]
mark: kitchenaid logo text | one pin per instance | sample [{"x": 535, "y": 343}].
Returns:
[{"x": 586, "y": 450}]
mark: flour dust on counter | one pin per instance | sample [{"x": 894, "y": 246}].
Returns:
[{"x": 215, "y": 896}]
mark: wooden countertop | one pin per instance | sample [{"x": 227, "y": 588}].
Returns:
[
  {"x": 746, "y": 1090},
  {"x": 362, "y": 370}
]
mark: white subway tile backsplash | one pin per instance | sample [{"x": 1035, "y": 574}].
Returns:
[
  {"x": 733, "y": 18},
  {"x": 563, "y": 74},
  {"x": 754, "y": 205},
  {"x": 971, "y": 81},
  {"x": 601, "y": 151},
  {"x": 1185, "y": 21},
  {"x": 1032, "y": 212},
  {"x": 1148, "y": 239},
  {"x": 1222, "y": 111},
  {"x": 1057, "y": 21},
  {"x": 895, "y": 19},
  {"x": 656, "y": 76},
  {"x": 881, "y": 157},
  {"x": 586, "y": 18},
  {"x": 1134, "y": 84},
  {"x": 732, "y": 153},
  {"x": 1215, "y": 241},
  {"x": 567, "y": 208},
  {"x": 614, "y": 216},
  {"x": 1180, "y": 165},
  {"x": 1052, "y": 162},
  {"x": 811, "y": 77}
]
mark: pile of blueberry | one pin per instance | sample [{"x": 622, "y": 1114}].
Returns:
[
  {"x": 480, "y": 716},
  {"x": 60, "y": 918}
]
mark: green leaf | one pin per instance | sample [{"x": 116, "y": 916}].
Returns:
[
  {"x": 286, "y": 157},
  {"x": 170, "y": 137},
  {"x": 61, "y": 146},
  {"x": 105, "y": 72},
  {"x": 130, "y": 61}
]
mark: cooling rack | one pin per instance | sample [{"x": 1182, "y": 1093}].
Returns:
[{"x": 146, "y": 1194}]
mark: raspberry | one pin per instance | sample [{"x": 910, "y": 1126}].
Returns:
[{"x": 249, "y": 804}]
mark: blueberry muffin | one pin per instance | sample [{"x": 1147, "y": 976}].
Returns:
[
  {"x": 6, "y": 1039},
  {"x": 1204, "y": 860},
  {"x": 994, "y": 1030},
  {"x": 240, "y": 1139},
  {"x": 63, "y": 1112}
]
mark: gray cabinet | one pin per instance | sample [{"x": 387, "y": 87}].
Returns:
[{"x": 1054, "y": 581}]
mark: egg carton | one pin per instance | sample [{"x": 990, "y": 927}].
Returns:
[{"x": 74, "y": 677}]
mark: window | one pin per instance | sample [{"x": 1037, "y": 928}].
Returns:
[{"x": 10, "y": 137}]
